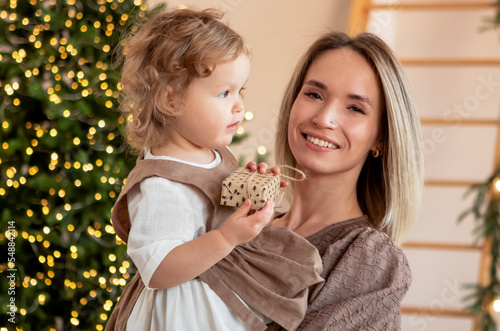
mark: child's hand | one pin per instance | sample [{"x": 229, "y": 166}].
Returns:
[
  {"x": 262, "y": 168},
  {"x": 240, "y": 227}
]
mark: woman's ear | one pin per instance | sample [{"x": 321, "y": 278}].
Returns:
[{"x": 377, "y": 148}]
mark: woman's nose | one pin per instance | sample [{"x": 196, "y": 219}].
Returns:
[{"x": 327, "y": 117}]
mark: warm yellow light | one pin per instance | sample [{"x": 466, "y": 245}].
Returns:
[
  {"x": 497, "y": 186},
  {"x": 496, "y": 305},
  {"x": 248, "y": 115}
]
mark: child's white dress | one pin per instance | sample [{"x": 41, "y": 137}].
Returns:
[{"x": 165, "y": 214}]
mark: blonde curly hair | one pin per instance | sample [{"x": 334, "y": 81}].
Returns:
[{"x": 159, "y": 62}]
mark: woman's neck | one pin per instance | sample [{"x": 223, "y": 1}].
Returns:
[{"x": 321, "y": 201}]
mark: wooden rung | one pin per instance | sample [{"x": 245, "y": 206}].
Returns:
[
  {"x": 435, "y": 312},
  {"x": 439, "y": 246},
  {"x": 441, "y": 182},
  {"x": 451, "y": 62},
  {"x": 461, "y": 121},
  {"x": 437, "y": 5}
]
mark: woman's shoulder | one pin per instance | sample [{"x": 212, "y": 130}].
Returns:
[
  {"x": 364, "y": 270},
  {"x": 367, "y": 241},
  {"x": 378, "y": 246},
  {"x": 354, "y": 234},
  {"x": 370, "y": 254}
]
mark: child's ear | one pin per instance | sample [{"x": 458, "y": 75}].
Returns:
[{"x": 167, "y": 102}]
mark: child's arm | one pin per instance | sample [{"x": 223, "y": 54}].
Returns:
[{"x": 189, "y": 260}]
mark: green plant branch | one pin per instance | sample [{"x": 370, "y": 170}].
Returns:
[{"x": 485, "y": 211}]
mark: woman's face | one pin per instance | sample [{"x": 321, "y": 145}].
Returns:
[{"x": 335, "y": 119}]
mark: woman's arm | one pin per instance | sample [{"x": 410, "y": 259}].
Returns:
[{"x": 365, "y": 281}]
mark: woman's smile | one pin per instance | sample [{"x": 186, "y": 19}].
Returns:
[{"x": 321, "y": 142}]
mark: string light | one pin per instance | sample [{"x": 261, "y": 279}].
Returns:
[
  {"x": 497, "y": 184},
  {"x": 496, "y": 306},
  {"x": 248, "y": 116}
]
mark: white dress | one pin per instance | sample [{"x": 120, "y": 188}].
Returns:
[{"x": 165, "y": 214}]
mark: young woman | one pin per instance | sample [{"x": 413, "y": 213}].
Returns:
[{"x": 348, "y": 121}]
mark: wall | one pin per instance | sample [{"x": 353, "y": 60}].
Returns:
[{"x": 455, "y": 151}]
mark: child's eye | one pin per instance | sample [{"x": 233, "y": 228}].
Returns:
[
  {"x": 224, "y": 94},
  {"x": 313, "y": 95}
]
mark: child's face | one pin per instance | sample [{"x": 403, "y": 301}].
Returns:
[{"x": 213, "y": 108}]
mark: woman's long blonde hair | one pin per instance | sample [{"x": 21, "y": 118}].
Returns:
[{"x": 389, "y": 187}]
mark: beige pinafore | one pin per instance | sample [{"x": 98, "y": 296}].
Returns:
[{"x": 274, "y": 273}]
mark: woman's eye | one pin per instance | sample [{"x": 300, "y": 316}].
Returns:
[
  {"x": 313, "y": 95},
  {"x": 224, "y": 94},
  {"x": 357, "y": 109}
]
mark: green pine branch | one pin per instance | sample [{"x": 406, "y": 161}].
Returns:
[{"x": 485, "y": 211}]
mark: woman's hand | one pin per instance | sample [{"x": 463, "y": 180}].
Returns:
[{"x": 263, "y": 167}]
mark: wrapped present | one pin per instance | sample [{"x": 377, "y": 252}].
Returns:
[{"x": 245, "y": 184}]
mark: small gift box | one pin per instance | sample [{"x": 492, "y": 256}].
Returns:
[{"x": 245, "y": 184}]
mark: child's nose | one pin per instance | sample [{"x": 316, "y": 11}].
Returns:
[{"x": 238, "y": 107}]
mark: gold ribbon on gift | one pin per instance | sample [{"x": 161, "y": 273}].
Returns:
[{"x": 280, "y": 196}]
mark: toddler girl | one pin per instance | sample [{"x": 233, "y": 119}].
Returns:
[{"x": 201, "y": 266}]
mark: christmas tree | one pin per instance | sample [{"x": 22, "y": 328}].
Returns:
[{"x": 62, "y": 162}]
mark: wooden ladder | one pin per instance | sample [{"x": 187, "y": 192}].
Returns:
[{"x": 359, "y": 18}]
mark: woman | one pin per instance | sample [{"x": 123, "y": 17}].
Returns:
[{"x": 348, "y": 121}]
